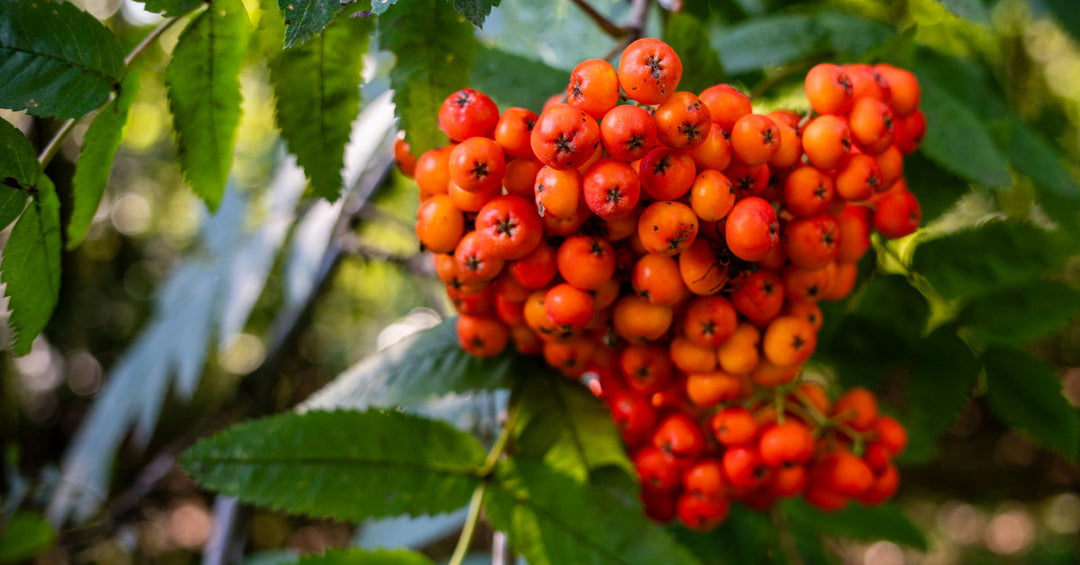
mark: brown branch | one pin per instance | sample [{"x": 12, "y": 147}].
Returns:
[{"x": 617, "y": 32}]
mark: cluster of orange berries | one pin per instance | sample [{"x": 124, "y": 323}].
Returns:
[{"x": 673, "y": 246}]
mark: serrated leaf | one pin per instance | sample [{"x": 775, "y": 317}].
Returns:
[
  {"x": 1015, "y": 316},
  {"x": 943, "y": 374},
  {"x": 746, "y": 537},
  {"x": 305, "y": 19},
  {"x": 172, "y": 8},
  {"x": 971, "y": 10},
  {"x": 1034, "y": 156},
  {"x": 12, "y": 202},
  {"x": 203, "y": 78},
  {"x": 936, "y": 189},
  {"x": 513, "y": 80},
  {"x": 380, "y": 6},
  {"x": 434, "y": 47},
  {"x": 563, "y": 424},
  {"x": 849, "y": 35},
  {"x": 858, "y": 522},
  {"x": 31, "y": 266},
  {"x": 894, "y": 303},
  {"x": 552, "y": 519},
  {"x": 425, "y": 365},
  {"x": 1026, "y": 394},
  {"x": 95, "y": 161},
  {"x": 27, "y": 534},
  {"x": 690, "y": 39},
  {"x": 476, "y": 11},
  {"x": 19, "y": 167},
  {"x": 57, "y": 60},
  {"x": 342, "y": 465},
  {"x": 995, "y": 254},
  {"x": 317, "y": 91},
  {"x": 354, "y": 556},
  {"x": 955, "y": 137}
]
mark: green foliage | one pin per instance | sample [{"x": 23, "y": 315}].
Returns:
[
  {"x": 563, "y": 424},
  {"x": 971, "y": 10},
  {"x": 857, "y": 522},
  {"x": 1066, "y": 13},
  {"x": 360, "y": 557},
  {"x": 552, "y": 519},
  {"x": 690, "y": 39},
  {"x": 775, "y": 40},
  {"x": 476, "y": 11},
  {"x": 434, "y": 47},
  {"x": 25, "y": 535},
  {"x": 12, "y": 202},
  {"x": 342, "y": 465},
  {"x": 892, "y": 301},
  {"x": 942, "y": 376},
  {"x": 1026, "y": 394},
  {"x": 317, "y": 99},
  {"x": 203, "y": 78},
  {"x": 378, "y": 7},
  {"x": 31, "y": 266},
  {"x": 95, "y": 161},
  {"x": 936, "y": 188},
  {"x": 747, "y": 537},
  {"x": 996, "y": 254},
  {"x": 58, "y": 61},
  {"x": 958, "y": 141},
  {"x": 19, "y": 168},
  {"x": 172, "y": 7},
  {"x": 1015, "y": 316},
  {"x": 513, "y": 80},
  {"x": 1032, "y": 155},
  {"x": 305, "y": 19}
]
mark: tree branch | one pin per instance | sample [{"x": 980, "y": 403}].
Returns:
[{"x": 601, "y": 21}]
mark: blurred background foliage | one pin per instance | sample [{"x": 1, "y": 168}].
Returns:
[{"x": 988, "y": 495}]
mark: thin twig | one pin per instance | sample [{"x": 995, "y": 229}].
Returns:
[
  {"x": 787, "y": 540},
  {"x": 473, "y": 518},
  {"x": 617, "y": 32},
  {"x": 58, "y": 138}
]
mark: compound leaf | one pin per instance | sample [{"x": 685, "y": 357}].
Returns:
[
  {"x": 354, "y": 556},
  {"x": 1034, "y": 156},
  {"x": 19, "y": 168},
  {"x": 1015, "y": 316},
  {"x": 476, "y": 11},
  {"x": 203, "y": 78},
  {"x": 305, "y": 19},
  {"x": 943, "y": 374},
  {"x": 318, "y": 97},
  {"x": 57, "y": 60},
  {"x": 172, "y": 8},
  {"x": 690, "y": 39},
  {"x": 937, "y": 189},
  {"x": 342, "y": 465},
  {"x": 513, "y": 80},
  {"x": 95, "y": 161},
  {"x": 858, "y": 522},
  {"x": 971, "y": 10},
  {"x": 434, "y": 46},
  {"x": 31, "y": 266},
  {"x": 1026, "y": 394},
  {"x": 27, "y": 534},
  {"x": 566, "y": 426},
  {"x": 553, "y": 519},
  {"x": 995, "y": 254}
]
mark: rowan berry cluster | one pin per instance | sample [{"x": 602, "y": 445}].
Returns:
[{"x": 674, "y": 246}]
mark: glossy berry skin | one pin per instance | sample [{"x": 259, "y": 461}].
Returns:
[
  {"x": 657, "y": 468},
  {"x": 468, "y": 113},
  {"x": 786, "y": 444},
  {"x": 635, "y": 417},
  {"x": 680, "y": 435},
  {"x": 701, "y": 514},
  {"x": 744, "y": 468},
  {"x": 649, "y": 71},
  {"x": 565, "y": 137},
  {"x": 752, "y": 229},
  {"x": 734, "y": 426}
]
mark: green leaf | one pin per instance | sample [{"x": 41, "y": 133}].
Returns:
[
  {"x": 355, "y": 556},
  {"x": 27, "y": 534},
  {"x": 434, "y": 46},
  {"x": 1066, "y": 13},
  {"x": 476, "y": 11},
  {"x": 422, "y": 366},
  {"x": 892, "y": 301},
  {"x": 342, "y": 465},
  {"x": 552, "y": 519},
  {"x": 513, "y": 80},
  {"x": 203, "y": 78},
  {"x": 19, "y": 167},
  {"x": 57, "y": 60},
  {"x": 955, "y": 137},
  {"x": 305, "y": 19},
  {"x": 318, "y": 97},
  {"x": 943, "y": 374},
  {"x": 381, "y": 6},
  {"x": 172, "y": 8},
  {"x": 995, "y": 254},
  {"x": 563, "y": 424},
  {"x": 1032, "y": 155},
  {"x": 95, "y": 161},
  {"x": 1015, "y": 316},
  {"x": 858, "y": 522},
  {"x": 971, "y": 10},
  {"x": 1026, "y": 394},
  {"x": 12, "y": 202},
  {"x": 775, "y": 40},
  {"x": 937, "y": 189},
  {"x": 747, "y": 537},
  {"x": 31, "y": 266},
  {"x": 690, "y": 39}
]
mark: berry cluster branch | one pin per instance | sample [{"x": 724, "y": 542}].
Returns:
[{"x": 609, "y": 27}]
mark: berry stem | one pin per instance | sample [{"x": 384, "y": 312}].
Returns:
[
  {"x": 467, "y": 531},
  {"x": 788, "y": 543},
  {"x": 812, "y": 408},
  {"x": 601, "y": 21}
]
